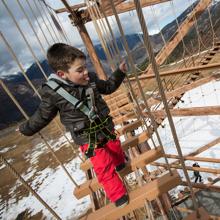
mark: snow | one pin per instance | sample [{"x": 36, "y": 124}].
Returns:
[{"x": 55, "y": 187}]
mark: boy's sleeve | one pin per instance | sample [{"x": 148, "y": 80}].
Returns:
[
  {"x": 109, "y": 86},
  {"x": 43, "y": 115}
]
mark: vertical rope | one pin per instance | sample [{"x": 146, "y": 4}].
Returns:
[
  {"x": 111, "y": 32},
  {"x": 42, "y": 17},
  {"x": 23, "y": 36},
  {"x": 163, "y": 96},
  {"x": 32, "y": 86},
  {"x": 64, "y": 31},
  {"x": 48, "y": 19},
  {"x": 27, "y": 117},
  {"x": 35, "y": 17},
  {"x": 30, "y": 189},
  {"x": 103, "y": 42},
  {"x": 64, "y": 34},
  {"x": 139, "y": 86},
  {"x": 32, "y": 27},
  {"x": 19, "y": 64},
  {"x": 105, "y": 31}
]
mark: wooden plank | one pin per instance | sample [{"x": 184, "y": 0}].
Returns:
[
  {"x": 182, "y": 209},
  {"x": 128, "y": 6},
  {"x": 147, "y": 157},
  {"x": 110, "y": 99},
  {"x": 131, "y": 142},
  {"x": 203, "y": 215},
  {"x": 194, "y": 111},
  {"x": 149, "y": 191},
  {"x": 118, "y": 104},
  {"x": 182, "y": 89},
  {"x": 130, "y": 127},
  {"x": 138, "y": 162},
  {"x": 201, "y": 169},
  {"x": 134, "y": 141},
  {"x": 93, "y": 185},
  {"x": 213, "y": 66},
  {"x": 123, "y": 118},
  {"x": 204, "y": 159},
  {"x": 122, "y": 110},
  {"x": 203, "y": 186}
]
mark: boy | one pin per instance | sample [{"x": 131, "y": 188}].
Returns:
[{"x": 76, "y": 94}]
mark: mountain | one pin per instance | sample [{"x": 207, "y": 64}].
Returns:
[{"x": 29, "y": 101}]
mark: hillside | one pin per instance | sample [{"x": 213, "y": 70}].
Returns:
[{"x": 29, "y": 101}]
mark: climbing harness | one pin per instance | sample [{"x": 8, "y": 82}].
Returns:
[{"x": 96, "y": 123}]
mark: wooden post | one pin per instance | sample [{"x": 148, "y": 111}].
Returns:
[{"x": 78, "y": 22}]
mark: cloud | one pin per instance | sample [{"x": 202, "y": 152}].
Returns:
[{"x": 8, "y": 28}]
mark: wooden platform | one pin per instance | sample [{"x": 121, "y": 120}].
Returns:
[
  {"x": 131, "y": 142},
  {"x": 149, "y": 191},
  {"x": 203, "y": 215},
  {"x": 93, "y": 185},
  {"x": 138, "y": 162},
  {"x": 130, "y": 127},
  {"x": 146, "y": 158}
]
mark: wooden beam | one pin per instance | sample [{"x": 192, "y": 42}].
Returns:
[
  {"x": 194, "y": 111},
  {"x": 213, "y": 66},
  {"x": 138, "y": 162},
  {"x": 203, "y": 215},
  {"x": 145, "y": 158},
  {"x": 74, "y": 7},
  {"x": 182, "y": 89},
  {"x": 130, "y": 127},
  {"x": 123, "y": 118},
  {"x": 149, "y": 191},
  {"x": 128, "y": 6},
  {"x": 182, "y": 31},
  {"x": 130, "y": 142},
  {"x": 182, "y": 209},
  {"x": 203, "y": 186},
  {"x": 90, "y": 186},
  {"x": 202, "y": 159},
  {"x": 177, "y": 166}
]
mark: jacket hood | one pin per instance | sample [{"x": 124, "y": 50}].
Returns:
[{"x": 57, "y": 78}]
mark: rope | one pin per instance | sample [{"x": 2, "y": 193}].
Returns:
[
  {"x": 104, "y": 30},
  {"x": 171, "y": 123},
  {"x": 30, "y": 83},
  {"x": 32, "y": 27},
  {"x": 23, "y": 36},
  {"x": 60, "y": 23},
  {"x": 35, "y": 17},
  {"x": 27, "y": 117},
  {"x": 48, "y": 19},
  {"x": 30, "y": 189},
  {"x": 112, "y": 34},
  {"x": 139, "y": 86},
  {"x": 39, "y": 11},
  {"x": 131, "y": 61},
  {"x": 103, "y": 43}
]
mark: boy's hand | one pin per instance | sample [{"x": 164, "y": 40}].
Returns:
[{"x": 123, "y": 66}]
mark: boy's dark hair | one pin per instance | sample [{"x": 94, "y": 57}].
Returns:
[{"x": 60, "y": 56}]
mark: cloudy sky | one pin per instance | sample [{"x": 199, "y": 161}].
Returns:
[{"x": 41, "y": 21}]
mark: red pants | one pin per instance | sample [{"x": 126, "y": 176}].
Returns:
[{"x": 104, "y": 163}]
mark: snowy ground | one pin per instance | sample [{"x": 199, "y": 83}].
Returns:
[{"x": 56, "y": 189}]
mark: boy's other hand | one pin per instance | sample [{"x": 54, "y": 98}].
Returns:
[{"x": 123, "y": 66}]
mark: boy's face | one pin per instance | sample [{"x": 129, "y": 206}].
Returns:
[{"x": 77, "y": 72}]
